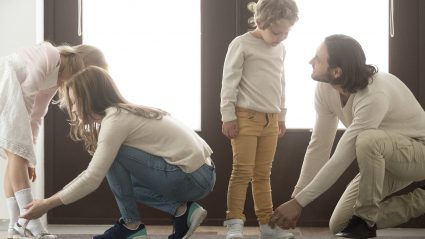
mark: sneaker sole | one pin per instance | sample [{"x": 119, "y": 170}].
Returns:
[
  {"x": 274, "y": 237},
  {"x": 197, "y": 218},
  {"x": 235, "y": 237}
]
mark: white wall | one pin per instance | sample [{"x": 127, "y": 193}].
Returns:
[{"x": 21, "y": 24}]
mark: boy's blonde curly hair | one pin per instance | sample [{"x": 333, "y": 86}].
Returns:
[{"x": 268, "y": 12}]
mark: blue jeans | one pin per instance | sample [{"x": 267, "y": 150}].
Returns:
[{"x": 137, "y": 176}]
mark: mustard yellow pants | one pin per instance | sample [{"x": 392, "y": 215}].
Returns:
[{"x": 253, "y": 153}]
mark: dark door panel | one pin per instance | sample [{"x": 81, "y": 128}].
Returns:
[{"x": 221, "y": 20}]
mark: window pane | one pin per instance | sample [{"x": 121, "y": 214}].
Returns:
[
  {"x": 153, "y": 49},
  {"x": 365, "y": 20}
]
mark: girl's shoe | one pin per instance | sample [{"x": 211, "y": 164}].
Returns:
[
  {"x": 45, "y": 235},
  {"x": 12, "y": 233},
  {"x": 266, "y": 232},
  {"x": 24, "y": 233},
  {"x": 234, "y": 228}
]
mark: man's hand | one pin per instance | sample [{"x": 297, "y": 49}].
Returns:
[
  {"x": 286, "y": 215},
  {"x": 230, "y": 129}
]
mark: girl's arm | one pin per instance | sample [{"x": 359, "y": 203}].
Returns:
[{"x": 41, "y": 105}]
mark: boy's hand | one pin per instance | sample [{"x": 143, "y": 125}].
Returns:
[
  {"x": 282, "y": 128},
  {"x": 230, "y": 129}
]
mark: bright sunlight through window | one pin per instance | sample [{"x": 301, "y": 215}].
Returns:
[
  {"x": 156, "y": 62},
  {"x": 154, "y": 58},
  {"x": 365, "y": 20}
]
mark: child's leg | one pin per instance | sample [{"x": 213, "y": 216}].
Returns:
[
  {"x": 261, "y": 188},
  {"x": 17, "y": 170},
  {"x": 11, "y": 204},
  {"x": 266, "y": 148},
  {"x": 244, "y": 151},
  {"x": 13, "y": 210}
]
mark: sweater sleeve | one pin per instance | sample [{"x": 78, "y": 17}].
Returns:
[
  {"x": 111, "y": 137},
  {"x": 232, "y": 74},
  {"x": 320, "y": 145},
  {"x": 368, "y": 113},
  {"x": 283, "y": 109}
]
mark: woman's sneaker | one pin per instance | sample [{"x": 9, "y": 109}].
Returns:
[
  {"x": 234, "y": 228},
  {"x": 185, "y": 225},
  {"x": 266, "y": 232},
  {"x": 121, "y": 232}
]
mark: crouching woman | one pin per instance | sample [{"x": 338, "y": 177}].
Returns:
[{"x": 146, "y": 155}]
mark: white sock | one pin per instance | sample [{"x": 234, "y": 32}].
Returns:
[
  {"x": 13, "y": 209},
  {"x": 23, "y": 197},
  {"x": 181, "y": 210}
]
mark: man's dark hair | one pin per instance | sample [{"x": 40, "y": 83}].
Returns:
[{"x": 345, "y": 52}]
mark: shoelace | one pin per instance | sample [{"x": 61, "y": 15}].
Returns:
[
  {"x": 351, "y": 221},
  {"x": 44, "y": 234},
  {"x": 234, "y": 228},
  {"x": 176, "y": 226},
  {"x": 114, "y": 231},
  {"x": 27, "y": 233}
]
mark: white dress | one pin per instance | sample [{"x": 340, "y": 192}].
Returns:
[{"x": 28, "y": 82}]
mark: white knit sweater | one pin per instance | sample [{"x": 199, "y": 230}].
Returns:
[{"x": 385, "y": 104}]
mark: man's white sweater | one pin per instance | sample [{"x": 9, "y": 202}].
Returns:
[{"x": 385, "y": 104}]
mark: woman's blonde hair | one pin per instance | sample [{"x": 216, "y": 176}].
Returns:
[
  {"x": 268, "y": 12},
  {"x": 94, "y": 91}
]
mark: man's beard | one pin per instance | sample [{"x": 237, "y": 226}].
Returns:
[{"x": 326, "y": 78}]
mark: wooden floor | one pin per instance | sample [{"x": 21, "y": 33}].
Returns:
[{"x": 310, "y": 232}]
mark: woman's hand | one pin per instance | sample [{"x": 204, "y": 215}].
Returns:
[
  {"x": 286, "y": 215},
  {"x": 230, "y": 129},
  {"x": 35, "y": 209},
  {"x": 38, "y": 208}
]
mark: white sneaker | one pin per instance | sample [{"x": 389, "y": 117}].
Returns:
[
  {"x": 266, "y": 232},
  {"x": 12, "y": 233},
  {"x": 23, "y": 232},
  {"x": 196, "y": 215},
  {"x": 234, "y": 228},
  {"x": 45, "y": 235}
]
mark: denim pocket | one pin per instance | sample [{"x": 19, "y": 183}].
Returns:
[{"x": 203, "y": 178}]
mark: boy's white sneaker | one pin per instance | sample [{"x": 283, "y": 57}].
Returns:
[
  {"x": 266, "y": 232},
  {"x": 234, "y": 228}
]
